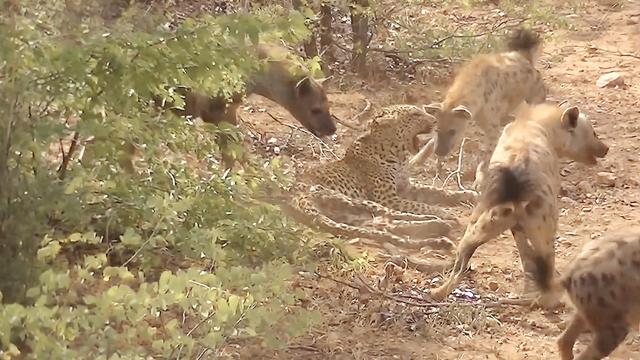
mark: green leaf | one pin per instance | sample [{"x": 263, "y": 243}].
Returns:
[
  {"x": 131, "y": 238},
  {"x": 234, "y": 301},
  {"x": 50, "y": 251},
  {"x": 94, "y": 262},
  {"x": 222, "y": 310},
  {"x": 163, "y": 282}
]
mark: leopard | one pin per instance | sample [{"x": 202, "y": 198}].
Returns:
[
  {"x": 281, "y": 79},
  {"x": 373, "y": 176},
  {"x": 520, "y": 193},
  {"x": 485, "y": 92},
  {"x": 603, "y": 285}
]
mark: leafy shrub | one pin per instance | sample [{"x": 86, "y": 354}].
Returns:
[{"x": 101, "y": 264}]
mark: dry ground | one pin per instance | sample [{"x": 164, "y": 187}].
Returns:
[{"x": 605, "y": 40}]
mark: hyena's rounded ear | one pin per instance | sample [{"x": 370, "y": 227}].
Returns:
[
  {"x": 569, "y": 118},
  {"x": 304, "y": 86},
  {"x": 433, "y": 108},
  {"x": 462, "y": 110}
]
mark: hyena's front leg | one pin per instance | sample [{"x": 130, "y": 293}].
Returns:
[
  {"x": 423, "y": 154},
  {"x": 492, "y": 133}
]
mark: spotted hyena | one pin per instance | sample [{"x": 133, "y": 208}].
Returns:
[
  {"x": 603, "y": 283},
  {"x": 279, "y": 80},
  {"x": 521, "y": 190},
  {"x": 486, "y": 91}
]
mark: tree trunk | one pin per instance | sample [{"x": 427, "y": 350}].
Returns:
[
  {"x": 360, "y": 35},
  {"x": 326, "y": 33}
]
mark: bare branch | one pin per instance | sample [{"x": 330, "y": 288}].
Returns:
[
  {"x": 367, "y": 107},
  {"x": 62, "y": 170},
  {"x": 457, "y": 172},
  {"x": 501, "y": 25}
]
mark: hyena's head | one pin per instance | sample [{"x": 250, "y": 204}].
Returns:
[
  {"x": 310, "y": 107},
  {"x": 578, "y": 140},
  {"x": 450, "y": 126}
]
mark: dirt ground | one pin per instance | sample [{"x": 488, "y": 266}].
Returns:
[{"x": 604, "y": 40}]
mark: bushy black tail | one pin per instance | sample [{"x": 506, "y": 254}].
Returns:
[
  {"x": 522, "y": 39},
  {"x": 505, "y": 184}
]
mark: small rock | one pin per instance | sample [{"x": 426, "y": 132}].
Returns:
[
  {"x": 632, "y": 21},
  {"x": 613, "y": 79},
  {"x": 493, "y": 285},
  {"x": 568, "y": 188},
  {"x": 585, "y": 187},
  {"x": 606, "y": 179}
]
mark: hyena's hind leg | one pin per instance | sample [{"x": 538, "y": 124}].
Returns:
[
  {"x": 577, "y": 325},
  {"x": 487, "y": 226},
  {"x": 605, "y": 340}
]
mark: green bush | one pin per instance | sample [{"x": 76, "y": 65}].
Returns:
[{"x": 100, "y": 264}]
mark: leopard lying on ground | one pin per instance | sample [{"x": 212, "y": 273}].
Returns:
[
  {"x": 372, "y": 177},
  {"x": 603, "y": 284},
  {"x": 486, "y": 91},
  {"x": 521, "y": 190}
]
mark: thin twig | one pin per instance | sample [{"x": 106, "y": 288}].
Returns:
[
  {"x": 367, "y": 107},
  {"x": 226, "y": 338},
  {"x": 411, "y": 302},
  {"x": 344, "y": 123},
  {"x": 503, "y": 24},
  {"x": 304, "y": 131},
  {"x": 439, "y": 163},
  {"x": 153, "y": 233},
  {"x": 499, "y": 26},
  {"x": 338, "y": 281},
  {"x": 615, "y": 52},
  {"x": 459, "y": 169},
  {"x": 181, "y": 346},
  {"x": 304, "y": 347}
]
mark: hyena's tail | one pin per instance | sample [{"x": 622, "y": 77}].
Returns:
[
  {"x": 506, "y": 185},
  {"x": 526, "y": 42}
]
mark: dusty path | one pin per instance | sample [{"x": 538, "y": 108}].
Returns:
[{"x": 590, "y": 206}]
